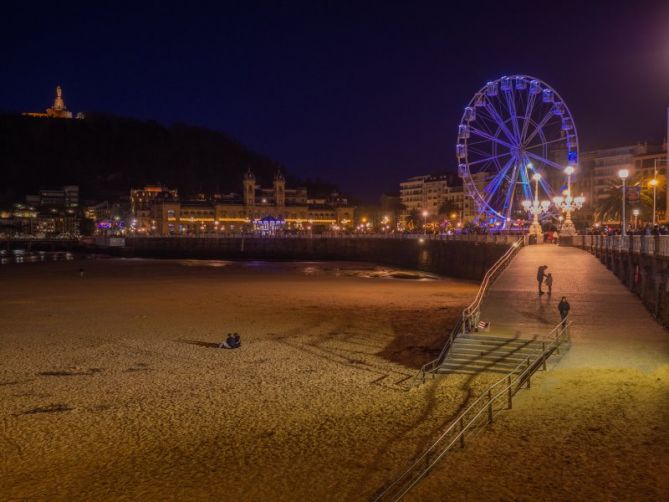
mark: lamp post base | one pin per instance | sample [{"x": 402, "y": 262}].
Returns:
[
  {"x": 568, "y": 229},
  {"x": 535, "y": 229}
]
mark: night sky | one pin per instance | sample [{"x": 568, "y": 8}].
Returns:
[{"x": 363, "y": 94}]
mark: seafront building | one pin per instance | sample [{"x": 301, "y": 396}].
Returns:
[
  {"x": 598, "y": 171},
  {"x": 158, "y": 210},
  {"x": 51, "y": 212},
  {"x": 438, "y": 194}
]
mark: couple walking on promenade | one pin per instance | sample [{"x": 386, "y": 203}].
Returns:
[
  {"x": 542, "y": 277},
  {"x": 547, "y": 278}
]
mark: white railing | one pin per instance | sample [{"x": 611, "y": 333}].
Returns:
[
  {"x": 470, "y": 315},
  {"x": 651, "y": 245},
  {"x": 496, "y": 398},
  {"x": 489, "y": 238}
]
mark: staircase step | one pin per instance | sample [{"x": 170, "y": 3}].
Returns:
[
  {"x": 465, "y": 340},
  {"x": 467, "y": 370},
  {"x": 515, "y": 361},
  {"x": 479, "y": 362},
  {"x": 488, "y": 352},
  {"x": 477, "y": 336}
]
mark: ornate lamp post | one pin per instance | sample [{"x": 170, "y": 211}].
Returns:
[
  {"x": 536, "y": 208},
  {"x": 425, "y": 213},
  {"x": 623, "y": 174},
  {"x": 636, "y": 212},
  {"x": 567, "y": 204}
]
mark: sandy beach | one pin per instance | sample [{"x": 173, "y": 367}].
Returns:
[{"x": 112, "y": 387}]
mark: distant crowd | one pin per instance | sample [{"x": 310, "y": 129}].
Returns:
[{"x": 644, "y": 230}]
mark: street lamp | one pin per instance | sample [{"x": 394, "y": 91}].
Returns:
[
  {"x": 653, "y": 183},
  {"x": 635, "y": 212},
  {"x": 623, "y": 174},
  {"x": 425, "y": 213},
  {"x": 535, "y": 207},
  {"x": 568, "y": 204}
]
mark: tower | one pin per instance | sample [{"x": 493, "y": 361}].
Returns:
[
  {"x": 279, "y": 189},
  {"x": 249, "y": 188}
]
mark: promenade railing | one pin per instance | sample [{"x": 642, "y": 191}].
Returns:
[
  {"x": 481, "y": 412},
  {"x": 487, "y": 238},
  {"x": 651, "y": 245},
  {"x": 469, "y": 319}
]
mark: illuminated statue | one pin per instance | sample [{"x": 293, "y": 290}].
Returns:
[{"x": 58, "y": 110}]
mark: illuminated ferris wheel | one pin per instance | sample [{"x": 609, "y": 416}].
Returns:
[{"x": 513, "y": 128}]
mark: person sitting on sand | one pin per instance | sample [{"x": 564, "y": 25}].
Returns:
[{"x": 231, "y": 342}]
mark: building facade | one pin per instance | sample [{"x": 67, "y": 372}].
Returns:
[
  {"x": 288, "y": 208},
  {"x": 433, "y": 193},
  {"x": 598, "y": 171}
]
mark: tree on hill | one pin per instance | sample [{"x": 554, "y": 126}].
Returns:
[{"x": 107, "y": 155}]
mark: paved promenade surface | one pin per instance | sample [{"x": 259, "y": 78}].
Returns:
[
  {"x": 612, "y": 328},
  {"x": 593, "y": 427}
]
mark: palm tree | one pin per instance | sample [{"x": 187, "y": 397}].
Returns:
[
  {"x": 449, "y": 207},
  {"x": 412, "y": 220},
  {"x": 609, "y": 207}
]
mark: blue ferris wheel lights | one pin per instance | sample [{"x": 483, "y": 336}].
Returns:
[
  {"x": 463, "y": 131},
  {"x": 505, "y": 84},
  {"x": 509, "y": 124},
  {"x": 535, "y": 87}
]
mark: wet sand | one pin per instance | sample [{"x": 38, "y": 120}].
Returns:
[{"x": 111, "y": 386}]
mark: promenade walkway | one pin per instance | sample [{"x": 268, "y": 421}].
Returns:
[
  {"x": 611, "y": 327},
  {"x": 592, "y": 428}
]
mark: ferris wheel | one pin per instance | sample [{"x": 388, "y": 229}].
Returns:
[{"x": 512, "y": 129}]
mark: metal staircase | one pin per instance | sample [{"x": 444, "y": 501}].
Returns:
[{"x": 476, "y": 353}]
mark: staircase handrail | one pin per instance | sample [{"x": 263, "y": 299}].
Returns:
[
  {"x": 506, "y": 387},
  {"x": 471, "y": 311}
]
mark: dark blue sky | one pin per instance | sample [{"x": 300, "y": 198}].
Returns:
[{"x": 360, "y": 93}]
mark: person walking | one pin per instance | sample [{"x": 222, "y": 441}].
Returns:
[
  {"x": 549, "y": 283},
  {"x": 563, "y": 308},
  {"x": 541, "y": 274}
]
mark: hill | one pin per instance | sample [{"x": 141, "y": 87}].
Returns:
[{"x": 106, "y": 155}]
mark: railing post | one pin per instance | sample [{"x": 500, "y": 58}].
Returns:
[
  {"x": 510, "y": 392},
  {"x": 489, "y": 406}
]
